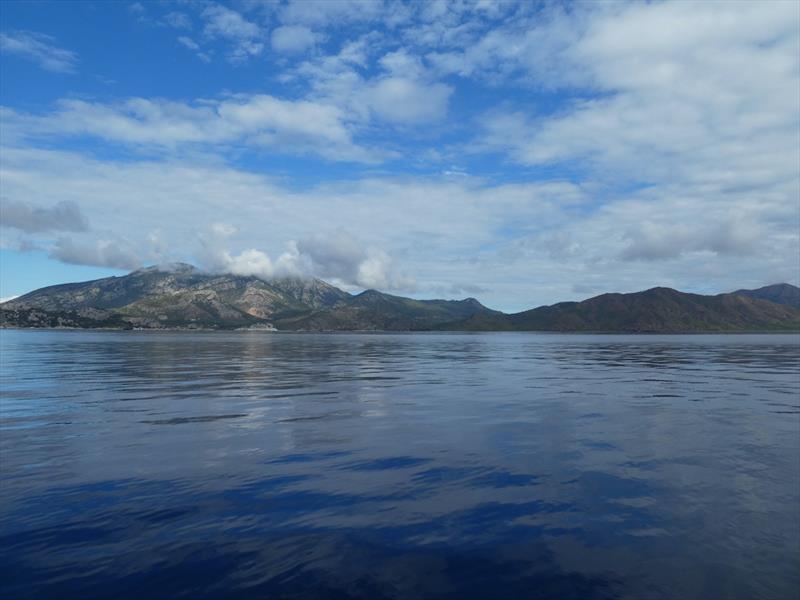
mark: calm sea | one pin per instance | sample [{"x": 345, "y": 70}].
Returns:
[{"x": 257, "y": 465}]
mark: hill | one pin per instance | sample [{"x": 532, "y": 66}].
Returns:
[
  {"x": 655, "y": 310},
  {"x": 373, "y": 310}
]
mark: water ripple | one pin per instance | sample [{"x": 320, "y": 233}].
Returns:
[{"x": 399, "y": 466}]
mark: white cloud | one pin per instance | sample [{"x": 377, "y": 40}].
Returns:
[
  {"x": 62, "y": 216},
  {"x": 530, "y": 47},
  {"x": 340, "y": 258},
  {"x": 292, "y": 39},
  {"x": 406, "y": 101},
  {"x": 674, "y": 103},
  {"x": 402, "y": 93},
  {"x": 188, "y": 42},
  {"x": 662, "y": 239},
  {"x": 337, "y": 257},
  {"x": 114, "y": 252},
  {"x": 402, "y": 64},
  {"x": 215, "y": 256},
  {"x": 223, "y": 23},
  {"x": 259, "y": 264},
  {"x": 300, "y": 127},
  {"x": 325, "y": 12},
  {"x": 178, "y": 20},
  {"x": 39, "y": 48}
]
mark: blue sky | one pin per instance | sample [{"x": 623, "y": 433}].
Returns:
[{"x": 521, "y": 153}]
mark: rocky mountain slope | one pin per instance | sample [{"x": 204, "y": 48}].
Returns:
[
  {"x": 180, "y": 296},
  {"x": 85, "y": 318}
]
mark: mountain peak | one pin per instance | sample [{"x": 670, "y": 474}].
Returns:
[
  {"x": 780, "y": 293},
  {"x": 472, "y": 302},
  {"x": 371, "y": 295},
  {"x": 660, "y": 289},
  {"x": 174, "y": 267}
]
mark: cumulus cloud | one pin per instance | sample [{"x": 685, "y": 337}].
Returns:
[
  {"x": 62, "y": 216},
  {"x": 337, "y": 257},
  {"x": 292, "y": 39},
  {"x": 325, "y": 12},
  {"x": 39, "y": 48},
  {"x": 245, "y": 37},
  {"x": 261, "y": 120},
  {"x": 661, "y": 96},
  {"x": 224, "y": 22},
  {"x": 401, "y": 100},
  {"x": 531, "y": 45},
  {"x": 402, "y": 92},
  {"x": 215, "y": 256},
  {"x": 115, "y": 253},
  {"x": 341, "y": 105},
  {"x": 651, "y": 241},
  {"x": 340, "y": 257},
  {"x": 259, "y": 264}
]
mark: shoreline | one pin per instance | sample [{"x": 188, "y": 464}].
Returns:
[{"x": 403, "y": 331}]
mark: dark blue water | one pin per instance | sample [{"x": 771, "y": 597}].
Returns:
[{"x": 253, "y": 465}]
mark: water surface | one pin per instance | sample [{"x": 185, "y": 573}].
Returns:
[{"x": 212, "y": 465}]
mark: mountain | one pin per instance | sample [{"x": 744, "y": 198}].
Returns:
[
  {"x": 780, "y": 293},
  {"x": 181, "y": 296},
  {"x": 654, "y": 310},
  {"x": 373, "y": 310}
]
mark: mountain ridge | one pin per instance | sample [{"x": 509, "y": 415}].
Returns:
[
  {"x": 780, "y": 293},
  {"x": 180, "y": 296},
  {"x": 657, "y": 310}
]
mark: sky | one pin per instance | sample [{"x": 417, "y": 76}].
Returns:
[{"x": 520, "y": 153}]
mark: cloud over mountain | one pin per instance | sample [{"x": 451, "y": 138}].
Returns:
[{"x": 337, "y": 257}]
